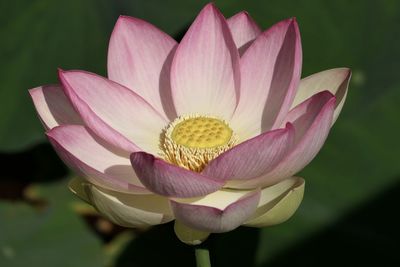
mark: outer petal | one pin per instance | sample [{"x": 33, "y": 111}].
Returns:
[
  {"x": 218, "y": 212},
  {"x": 126, "y": 209},
  {"x": 166, "y": 179},
  {"x": 53, "y": 107},
  {"x": 270, "y": 73},
  {"x": 94, "y": 159},
  {"x": 139, "y": 57},
  {"x": 114, "y": 112},
  {"x": 335, "y": 81},
  {"x": 188, "y": 235},
  {"x": 244, "y": 30},
  {"x": 279, "y": 209},
  {"x": 205, "y": 70},
  {"x": 312, "y": 121},
  {"x": 253, "y": 157},
  {"x": 77, "y": 186}
]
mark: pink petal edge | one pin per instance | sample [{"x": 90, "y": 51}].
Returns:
[
  {"x": 214, "y": 220},
  {"x": 170, "y": 180},
  {"x": 270, "y": 72},
  {"x": 53, "y": 107},
  {"x": 244, "y": 30},
  {"x": 312, "y": 129},
  {"x": 139, "y": 57},
  {"x": 253, "y": 157},
  {"x": 205, "y": 76},
  {"x": 61, "y": 136},
  {"x": 113, "y": 112}
]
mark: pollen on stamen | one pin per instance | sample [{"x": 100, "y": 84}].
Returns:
[{"x": 194, "y": 140}]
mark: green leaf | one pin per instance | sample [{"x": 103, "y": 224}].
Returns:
[
  {"x": 55, "y": 236},
  {"x": 39, "y": 36}
]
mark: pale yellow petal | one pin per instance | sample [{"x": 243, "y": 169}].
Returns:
[
  {"x": 188, "y": 235},
  {"x": 279, "y": 209}
]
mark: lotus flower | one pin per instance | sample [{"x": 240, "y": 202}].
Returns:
[{"x": 208, "y": 132}]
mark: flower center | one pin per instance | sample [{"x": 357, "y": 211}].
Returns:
[{"x": 192, "y": 141}]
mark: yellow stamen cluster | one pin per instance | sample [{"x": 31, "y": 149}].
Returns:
[{"x": 192, "y": 141}]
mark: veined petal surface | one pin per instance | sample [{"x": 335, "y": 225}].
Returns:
[
  {"x": 139, "y": 57},
  {"x": 205, "y": 69},
  {"x": 253, "y": 157},
  {"x": 312, "y": 121},
  {"x": 219, "y": 212},
  {"x": 244, "y": 30},
  {"x": 114, "y": 112},
  {"x": 170, "y": 180},
  {"x": 94, "y": 159},
  {"x": 270, "y": 71},
  {"x": 53, "y": 107}
]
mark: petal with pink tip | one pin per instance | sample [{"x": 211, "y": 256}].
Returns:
[
  {"x": 218, "y": 212},
  {"x": 312, "y": 121},
  {"x": 94, "y": 159},
  {"x": 139, "y": 57},
  {"x": 169, "y": 180},
  {"x": 253, "y": 157},
  {"x": 138, "y": 211},
  {"x": 244, "y": 30},
  {"x": 205, "y": 68},
  {"x": 53, "y": 107},
  {"x": 335, "y": 81},
  {"x": 270, "y": 72},
  {"x": 114, "y": 112}
]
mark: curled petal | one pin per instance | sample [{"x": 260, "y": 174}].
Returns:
[
  {"x": 335, "y": 81},
  {"x": 53, "y": 107},
  {"x": 218, "y": 212},
  {"x": 253, "y": 157},
  {"x": 170, "y": 180},
  {"x": 205, "y": 69},
  {"x": 312, "y": 121}
]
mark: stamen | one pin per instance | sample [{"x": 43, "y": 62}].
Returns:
[{"x": 192, "y": 141}]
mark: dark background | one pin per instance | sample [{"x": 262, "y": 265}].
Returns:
[{"x": 350, "y": 213}]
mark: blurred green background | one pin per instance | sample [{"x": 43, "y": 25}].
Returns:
[{"x": 350, "y": 214}]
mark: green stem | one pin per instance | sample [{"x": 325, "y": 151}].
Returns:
[{"x": 202, "y": 257}]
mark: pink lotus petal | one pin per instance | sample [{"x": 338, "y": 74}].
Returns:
[
  {"x": 335, "y": 81},
  {"x": 253, "y": 157},
  {"x": 94, "y": 159},
  {"x": 170, "y": 180},
  {"x": 209, "y": 218},
  {"x": 205, "y": 70},
  {"x": 244, "y": 30},
  {"x": 312, "y": 121},
  {"x": 53, "y": 107},
  {"x": 114, "y": 112},
  {"x": 270, "y": 73},
  {"x": 139, "y": 57}
]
